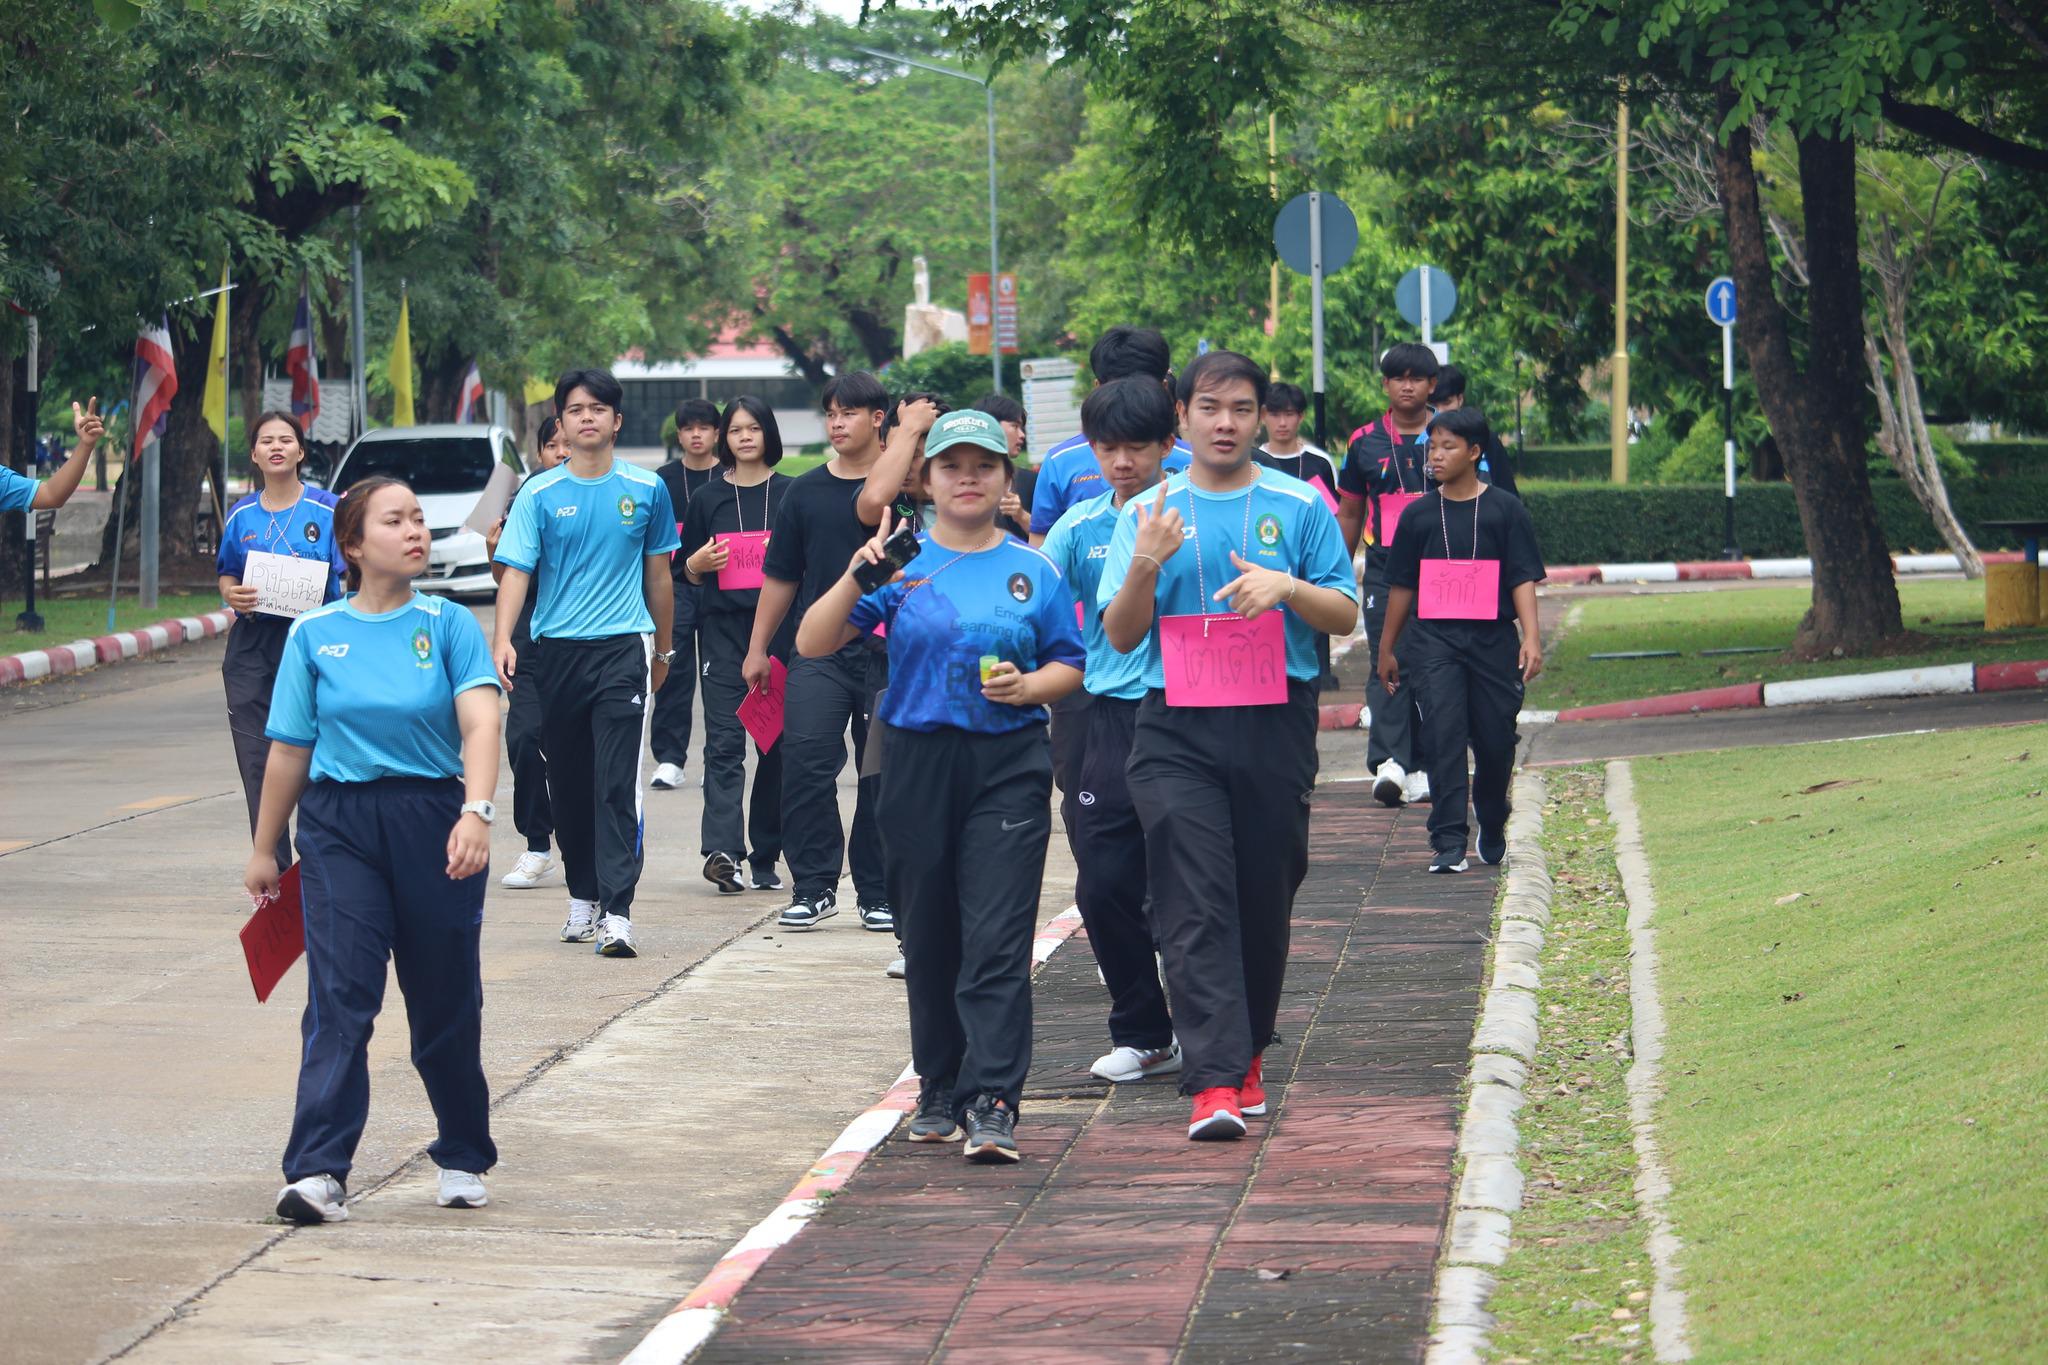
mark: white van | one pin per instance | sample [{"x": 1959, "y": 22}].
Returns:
[{"x": 447, "y": 466}]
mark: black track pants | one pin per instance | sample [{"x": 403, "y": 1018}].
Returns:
[
  {"x": 1394, "y": 732},
  {"x": 827, "y": 698},
  {"x": 248, "y": 672},
  {"x": 594, "y": 712},
  {"x": 755, "y": 835},
  {"x": 1469, "y": 691},
  {"x": 527, "y": 756},
  {"x": 670, "y": 732},
  {"x": 1109, "y": 849}
]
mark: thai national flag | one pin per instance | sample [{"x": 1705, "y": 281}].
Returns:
[
  {"x": 469, "y": 407},
  {"x": 303, "y": 364},
  {"x": 156, "y": 383}
]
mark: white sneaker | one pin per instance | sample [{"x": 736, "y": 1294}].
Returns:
[
  {"x": 462, "y": 1190},
  {"x": 581, "y": 926},
  {"x": 1389, "y": 784},
  {"x": 615, "y": 937},
  {"x": 316, "y": 1199},
  {"x": 527, "y": 872},
  {"x": 667, "y": 778},
  {"x": 896, "y": 969},
  {"x": 1416, "y": 788},
  {"x": 1136, "y": 1063}
]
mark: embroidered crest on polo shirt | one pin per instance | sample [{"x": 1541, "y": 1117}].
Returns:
[
  {"x": 1020, "y": 587},
  {"x": 312, "y": 533},
  {"x": 1268, "y": 530},
  {"x": 423, "y": 646},
  {"x": 626, "y": 506}
]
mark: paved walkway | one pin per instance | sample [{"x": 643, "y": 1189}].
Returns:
[{"x": 1117, "y": 1239}]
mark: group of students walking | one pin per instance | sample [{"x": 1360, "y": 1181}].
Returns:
[{"x": 1161, "y": 601}]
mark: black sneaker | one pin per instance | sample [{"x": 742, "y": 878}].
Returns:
[
  {"x": 763, "y": 879},
  {"x": 1493, "y": 846},
  {"x": 991, "y": 1132},
  {"x": 722, "y": 870},
  {"x": 1446, "y": 861},
  {"x": 878, "y": 918},
  {"x": 934, "y": 1120},
  {"x": 807, "y": 912}
]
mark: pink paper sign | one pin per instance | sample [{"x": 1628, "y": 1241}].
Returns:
[
  {"x": 1392, "y": 505},
  {"x": 761, "y": 710},
  {"x": 1324, "y": 489},
  {"x": 1224, "y": 660},
  {"x": 1460, "y": 590},
  {"x": 1080, "y": 617},
  {"x": 747, "y": 552}
]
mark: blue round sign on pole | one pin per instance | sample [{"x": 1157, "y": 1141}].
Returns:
[
  {"x": 1721, "y": 302},
  {"x": 1443, "y": 295},
  {"x": 1291, "y": 236}
]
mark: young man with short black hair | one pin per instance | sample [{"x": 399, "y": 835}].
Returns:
[
  {"x": 817, "y": 529},
  {"x": 695, "y": 466},
  {"x": 1384, "y": 470},
  {"x": 1069, "y": 472},
  {"x": 1222, "y": 778},
  {"x": 1284, "y": 449},
  {"x": 1494, "y": 466},
  {"x": 599, "y": 531}
]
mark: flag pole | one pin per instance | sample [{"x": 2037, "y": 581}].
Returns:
[{"x": 227, "y": 409}]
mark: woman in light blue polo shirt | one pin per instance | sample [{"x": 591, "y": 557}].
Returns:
[{"x": 384, "y": 734}]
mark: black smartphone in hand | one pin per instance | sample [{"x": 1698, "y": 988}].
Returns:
[{"x": 899, "y": 549}]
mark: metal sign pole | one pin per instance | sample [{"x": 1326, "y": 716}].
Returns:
[
  {"x": 1427, "y": 319},
  {"x": 1728, "y": 547},
  {"x": 1315, "y": 294}
]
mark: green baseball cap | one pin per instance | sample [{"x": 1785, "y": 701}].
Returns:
[{"x": 967, "y": 427}]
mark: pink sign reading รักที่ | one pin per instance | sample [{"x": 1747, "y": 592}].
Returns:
[
  {"x": 1459, "y": 590},
  {"x": 761, "y": 710},
  {"x": 1392, "y": 505},
  {"x": 746, "y": 553},
  {"x": 1224, "y": 660}
]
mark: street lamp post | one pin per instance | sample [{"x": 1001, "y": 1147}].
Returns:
[{"x": 995, "y": 265}]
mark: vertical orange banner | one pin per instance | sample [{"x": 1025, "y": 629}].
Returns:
[{"x": 980, "y": 315}]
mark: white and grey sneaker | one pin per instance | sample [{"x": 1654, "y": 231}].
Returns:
[
  {"x": 808, "y": 912},
  {"x": 879, "y": 918},
  {"x": 722, "y": 870},
  {"x": 615, "y": 937},
  {"x": 1136, "y": 1063},
  {"x": 527, "y": 872},
  {"x": 581, "y": 926},
  {"x": 667, "y": 778},
  {"x": 1416, "y": 788},
  {"x": 316, "y": 1199},
  {"x": 1389, "y": 784},
  {"x": 461, "y": 1190},
  {"x": 896, "y": 969}
]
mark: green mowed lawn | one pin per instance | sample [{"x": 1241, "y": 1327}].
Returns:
[
  {"x": 1853, "y": 939},
  {"x": 1951, "y": 612},
  {"x": 81, "y": 618}
]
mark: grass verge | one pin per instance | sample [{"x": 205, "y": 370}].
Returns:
[
  {"x": 1576, "y": 1282},
  {"x": 1857, "y": 1109},
  {"x": 1949, "y": 612},
  {"x": 80, "y": 618}
]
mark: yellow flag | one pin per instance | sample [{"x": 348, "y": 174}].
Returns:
[
  {"x": 401, "y": 369},
  {"x": 537, "y": 391},
  {"x": 215, "y": 406}
]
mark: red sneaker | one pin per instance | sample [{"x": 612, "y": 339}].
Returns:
[
  {"x": 1217, "y": 1117},
  {"x": 1252, "y": 1094}
]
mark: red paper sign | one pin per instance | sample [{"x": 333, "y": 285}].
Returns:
[
  {"x": 1392, "y": 505},
  {"x": 1323, "y": 488},
  {"x": 761, "y": 710},
  {"x": 1460, "y": 590},
  {"x": 746, "y": 553},
  {"x": 1224, "y": 660},
  {"x": 275, "y": 936}
]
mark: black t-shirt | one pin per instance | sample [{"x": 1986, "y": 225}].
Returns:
[
  {"x": 684, "y": 484},
  {"x": 1382, "y": 460},
  {"x": 1304, "y": 464},
  {"x": 721, "y": 507},
  {"x": 1494, "y": 525},
  {"x": 817, "y": 529}
]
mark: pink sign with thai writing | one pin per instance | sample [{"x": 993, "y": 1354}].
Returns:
[
  {"x": 1459, "y": 590},
  {"x": 746, "y": 553},
  {"x": 1392, "y": 505},
  {"x": 1224, "y": 660},
  {"x": 761, "y": 711}
]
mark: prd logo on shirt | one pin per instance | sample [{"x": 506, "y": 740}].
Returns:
[
  {"x": 1268, "y": 530},
  {"x": 626, "y": 506},
  {"x": 312, "y": 533},
  {"x": 1020, "y": 587},
  {"x": 423, "y": 647}
]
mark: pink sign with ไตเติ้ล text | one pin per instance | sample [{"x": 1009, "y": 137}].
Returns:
[
  {"x": 1459, "y": 590},
  {"x": 1392, "y": 505},
  {"x": 1224, "y": 660},
  {"x": 746, "y": 553}
]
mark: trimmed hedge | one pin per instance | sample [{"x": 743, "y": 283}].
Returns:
[
  {"x": 1576, "y": 464},
  {"x": 2003, "y": 459},
  {"x": 1652, "y": 523}
]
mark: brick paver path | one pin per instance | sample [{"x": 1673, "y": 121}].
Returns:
[{"x": 1116, "y": 1239}]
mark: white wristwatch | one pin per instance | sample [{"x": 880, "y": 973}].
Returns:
[{"x": 483, "y": 810}]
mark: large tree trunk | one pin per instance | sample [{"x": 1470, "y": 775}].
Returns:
[
  {"x": 190, "y": 448},
  {"x": 1817, "y": 413},
  {"x": 245, "y": 322},
  {"x": 441, "y": 373}
]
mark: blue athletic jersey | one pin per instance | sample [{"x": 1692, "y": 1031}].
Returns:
[
  {"x": 947, "y": 611},
  {"x": 17, "y": 491},
  {"x": 1070, "y": 473},
  {"x": 1287, "y": 526},
  {"x": 592, "y": 536},
  {"x": 1078, "y": 546},
  {"x": 374, "y": 696},
  {"x": 304, "y": 530}
]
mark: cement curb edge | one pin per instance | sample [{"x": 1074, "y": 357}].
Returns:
[
  {"x": 1503, "y": 1047},
  {"x": 79, "y": 655}
]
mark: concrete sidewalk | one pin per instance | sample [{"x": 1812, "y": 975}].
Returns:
[{"x": 1116, "y": 1238}]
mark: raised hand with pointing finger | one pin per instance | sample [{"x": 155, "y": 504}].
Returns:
[
  {"x": 1159, "y": 530},
  {"x": 88, "y": 423},
  {"x": 56, "y": 490},
  {"x": 1255, "y": 590}
]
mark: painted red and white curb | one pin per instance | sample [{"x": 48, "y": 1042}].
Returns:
[
  {"x": 691, "y": 1323},
  {"x": 80, "y": 655},
  {"x": 1718, "y": 570},
  {"x": 1937, "y": 680}
]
